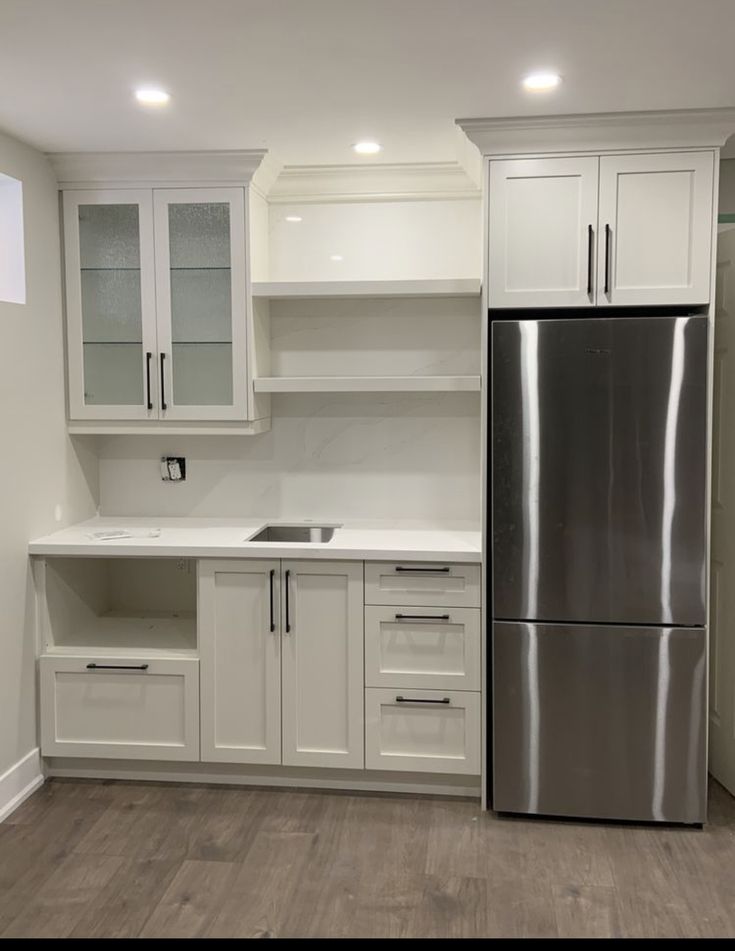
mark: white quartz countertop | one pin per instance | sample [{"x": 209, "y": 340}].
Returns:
[{"x": 228, "y": 538}]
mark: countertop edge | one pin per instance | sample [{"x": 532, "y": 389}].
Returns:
[{"x": 305, "y": 553}]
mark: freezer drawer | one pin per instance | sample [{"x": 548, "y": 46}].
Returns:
[
  {"x": 597, "y": 721},
  {"x": 599, "y": 431}
]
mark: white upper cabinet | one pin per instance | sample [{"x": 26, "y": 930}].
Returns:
[
  {"x": 157, "y": 306},
  {"x": 543, "y": 213},
  {"x": 619, "y": 230},
  {"x": 655, "y": 227},
  {"x": 322, "y": 623},
  {"x": 240, "y": 647},
  {"x": 111, "y": 304},
  {"x": 201, "y": 302}
]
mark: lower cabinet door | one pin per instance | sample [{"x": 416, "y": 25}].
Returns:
[
  {"x": 240, "y": 647},
  {"x": 428, "y": 731},
  {"x": 120, "y": 707},
  {"x": 322, "y": 624}
]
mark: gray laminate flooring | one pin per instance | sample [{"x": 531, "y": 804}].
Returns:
[{"x": 102, "y": 859}]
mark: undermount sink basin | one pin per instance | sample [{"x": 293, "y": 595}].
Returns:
[{"x": 294, "y": 533}]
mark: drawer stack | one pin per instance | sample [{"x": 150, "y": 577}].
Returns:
[{"x": 423, "y": 659}]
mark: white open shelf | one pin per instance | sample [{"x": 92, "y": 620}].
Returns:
[
  {"x": 119, "y": 607},
  {"x": 366, "y": 384},
  {"x": 299, "y": 290}
]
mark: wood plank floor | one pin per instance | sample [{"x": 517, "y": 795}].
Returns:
[{"x": 104, "y": 859}]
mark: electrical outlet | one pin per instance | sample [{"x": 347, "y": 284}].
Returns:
[{"x": 173, "y": 468}]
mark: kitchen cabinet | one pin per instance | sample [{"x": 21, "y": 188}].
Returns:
[
  {"x": 282, "y": 656},
  {"x": 120, "y": 706},
  {"x": 655, "y": 228},
  {"x": 322, "y": 607},
  {"x": 434, "y": 731},
  {"x": 156, "y": 283},
  {"x": 620, "y": 229},
  {"x": 541, "y": 211},
  {"x": 240, "y": 651}
]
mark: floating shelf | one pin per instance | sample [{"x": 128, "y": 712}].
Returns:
[
  {"x": 366, "y": 384},
  {"x": 462, "y": 287}
]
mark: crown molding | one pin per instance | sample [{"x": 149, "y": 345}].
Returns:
[
  {"x": 397, "y": 182},
  {"x": 126, "y": 169},
  {"x": 587, "y": 132}
]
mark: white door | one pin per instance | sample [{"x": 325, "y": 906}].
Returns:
[
  {"x": 202, "y": 302},
  {"x": 541, "y": 233},
  {"x": 322, "y": 605},
  {"x": 722, "y": 589},
  {"x": 110, "y": 304},
  {"x": 240, "y": 651},
  {"x": 655, "y": 228}
]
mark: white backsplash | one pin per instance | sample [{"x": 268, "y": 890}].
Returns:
[{"x": 393, "y": 456}]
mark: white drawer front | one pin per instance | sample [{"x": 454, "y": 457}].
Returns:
[
  {"x": 422, "y": 647},
  {"x": 116, "y": 713},
  {"x": 455, "y": 586},
  {"x": 430, "y": 737}
]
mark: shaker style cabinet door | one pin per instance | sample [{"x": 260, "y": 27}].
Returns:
[
  {"x": 655, "y": 228},
  {"x": 201, "y": 300},
  {"x": 541, "y": 240},
  {"x": 322, "y": 624},
  {"x": 111, "y": 305},
  {"x": 240, "y": 647}
]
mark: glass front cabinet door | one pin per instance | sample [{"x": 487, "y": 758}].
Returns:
[
  {"x": 111, "y": 304},
  {"x": 200, "y": 294},
  {"x": 156, "y": 304}
]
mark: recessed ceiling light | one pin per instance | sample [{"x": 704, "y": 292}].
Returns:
[
  {"x": 151, "y": 96},
  {"x": 336, "y": 257},
  {"x": 367, "y": 148},
  {"x": 541, "y": 82},
  {"x": 294, "y": 218}
]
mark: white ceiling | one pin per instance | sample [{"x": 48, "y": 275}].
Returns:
[{"x": 306, "y": 78}]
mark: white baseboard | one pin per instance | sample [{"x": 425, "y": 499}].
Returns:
[
  {"x": 280, "y": 776},
  {"x": 17, "y": 783}
]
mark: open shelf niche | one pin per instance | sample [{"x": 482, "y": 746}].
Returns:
[
  {"x": 392, "y": 342},
  {"x": 140, "y": 606}
]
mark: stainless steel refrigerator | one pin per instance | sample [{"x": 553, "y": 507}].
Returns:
[{"x": 599, "y": 500}]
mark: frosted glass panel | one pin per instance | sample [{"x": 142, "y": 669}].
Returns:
[
  {"x": 112, "y": 320},
  {"x": 202, "y": 374},
  {"x": 109, "y": 236},
  {"x": 201, "y": 303},
  {"x": 111, "y": 306},
  {"x": 113, "y": 374},
  {"x": 199, "y": 235}
]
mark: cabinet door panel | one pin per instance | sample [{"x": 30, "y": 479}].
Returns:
[
  {"x": 658, "y": 209},
  {"x": 539, "y": 244},
  {"x": 118, "y": 712},
  {"x": 111, "y": 318},
  {"x": 323, "y": 664},
  {"x": 201, "y": 294},
  {"x": 240, "y": 661}
]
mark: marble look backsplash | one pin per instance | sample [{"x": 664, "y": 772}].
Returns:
[{"x": 402, "y": 456}]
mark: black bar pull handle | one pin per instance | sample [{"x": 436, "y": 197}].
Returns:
[
  {"x": 148, "y": 358},
  {"x": 417, "y": 700},
  {"x": 422, "y": 617},
  {"x": 590, "y": 249},
  {"x": 287, "y": 584},
  {"x": 163, "y": 383},
  {"x": 608, "y": 233},
  {"x": 444, "y": 570},
  {"x": 273, "y": 620},
  {"x": 117, "y": 666}
]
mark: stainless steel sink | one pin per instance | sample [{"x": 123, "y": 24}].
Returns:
[{"x": 299, "y": 534}]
